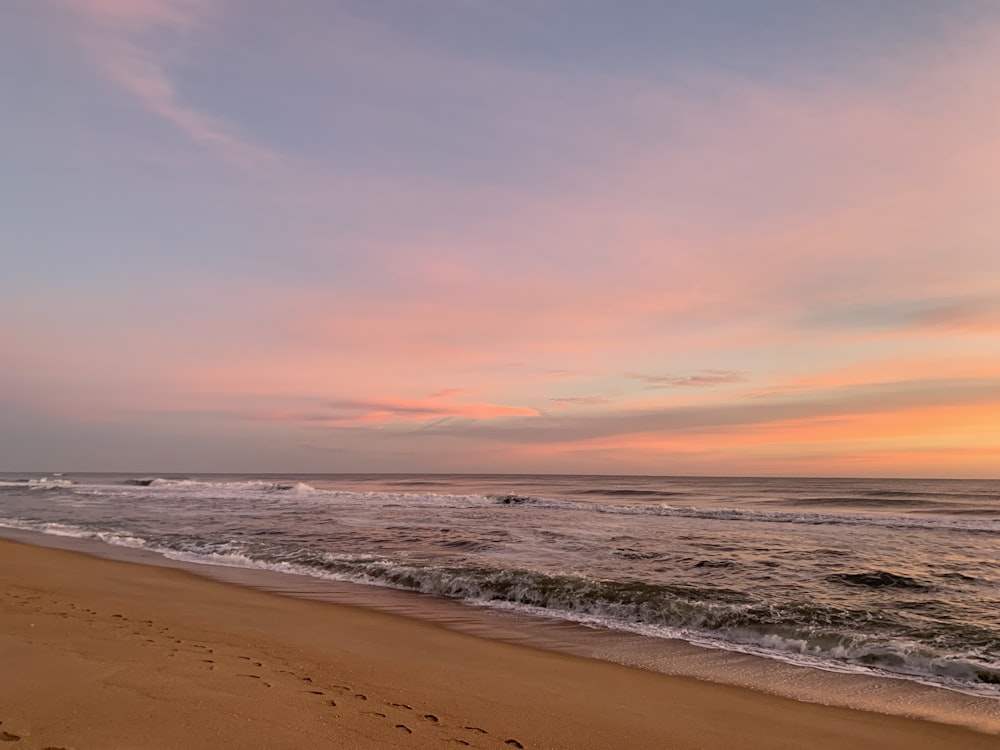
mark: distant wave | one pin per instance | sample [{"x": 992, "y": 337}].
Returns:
[
  {"x": 864, "y": 501},
  {"x": 952, "y": 521},
  {"x": 632, "y": 493},
  {"x": 793, "y": 517},
  {"x": 250, "y": 484},
  {"x": 41, "y": 483},
  {"x": 417, "y": 483},
  {"x": 878, "y": 579},
  {"x": 512, "y": 499}
]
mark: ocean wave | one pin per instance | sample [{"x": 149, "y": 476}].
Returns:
[
  {"x": 871, "y": 500},
  {"x": 38, "y": 483},
  {"x": 512, "y": 499},
  {"x": 252, "y": 485},
  {"x": 116, "y": 538},
  {"x": 878, "y": 579},
  {"x": 254, "y": 488},
  {"x": 632, "y": 493},
  {"x": 791, "y": 517}
]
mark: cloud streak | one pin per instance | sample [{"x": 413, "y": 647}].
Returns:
[
  {"x": 703, "y": 379},
  {"x": 347, "y": 412},
  {"x": 877, "y": 398},
  {"x": 116, "y": 36}
]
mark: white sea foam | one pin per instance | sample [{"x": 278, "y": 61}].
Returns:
[
  {"x": 118, "y": 539},
  {"x": 253, "y": 489},
  {"x": 38, "y": 483}
]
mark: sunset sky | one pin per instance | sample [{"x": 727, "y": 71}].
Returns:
[{"x": 726, "y": 237}]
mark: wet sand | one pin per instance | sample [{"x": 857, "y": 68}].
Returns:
[{"x": 106, "y": 654}]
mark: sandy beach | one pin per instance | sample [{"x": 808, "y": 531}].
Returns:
[{"x": 106, "y": 654}]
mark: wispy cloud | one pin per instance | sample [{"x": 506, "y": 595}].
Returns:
[
  {"x": 321, "y": 448},
  {"x": 949, "y": 313},
  {"x": 375, "y": 412},
  {"x": 447, "y": 393},
  {"x": 116, "y": 35},
  {"x": 579, "y": 401},
  {"x": 138, "y": 15},
  {"x": 703, "y": 379},
  {"x": 859, "y": 399}
]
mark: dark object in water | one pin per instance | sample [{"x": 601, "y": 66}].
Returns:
[
  {"x": 878, "y": 579},
  {"x": 511, "y": 499}
]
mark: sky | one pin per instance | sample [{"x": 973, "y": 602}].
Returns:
[{"x": 682, "y": 237}]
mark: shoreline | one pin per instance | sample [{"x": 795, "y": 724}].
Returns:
[
  {"x": 884, "y": 694},
  {"x": 118, "y": 654}
]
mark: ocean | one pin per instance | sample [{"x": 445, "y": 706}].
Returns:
[{"x": 889, "y": 578}]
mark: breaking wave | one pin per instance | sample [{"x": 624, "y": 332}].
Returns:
[{"x": 39, "y": 483}]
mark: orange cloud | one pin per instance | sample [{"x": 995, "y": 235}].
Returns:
[{"x": 957, "y": 441}]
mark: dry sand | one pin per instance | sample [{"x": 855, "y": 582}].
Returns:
[{"x": 96, "y": 654}]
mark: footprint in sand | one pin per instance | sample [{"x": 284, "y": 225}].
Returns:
[
  {"x": 514, "y": 743},
  {"x": 404, "y": 728},
  {"x": 8, "y": 737},
  {"x": 256, "y": 677}
]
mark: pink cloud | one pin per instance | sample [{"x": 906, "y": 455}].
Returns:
[
  {"x": 347, "y": 413},
  {"x": 114, "y": 34},
  {"x": 138, "y": 14}
]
